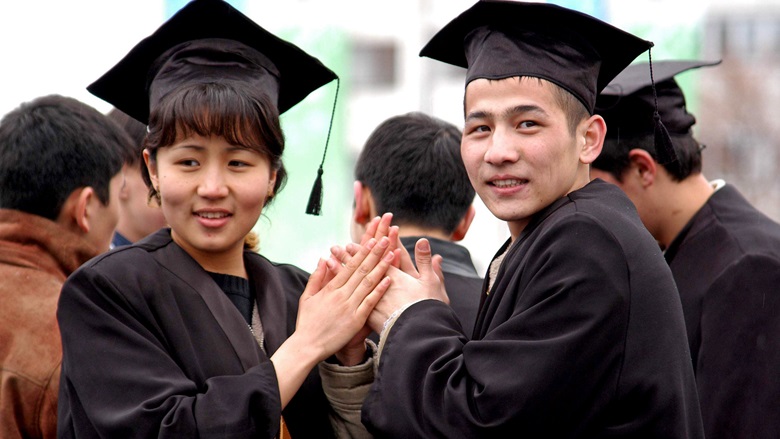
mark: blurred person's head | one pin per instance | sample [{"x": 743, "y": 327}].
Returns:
[
  {"x": 411, "y": 166},
  {"x": 138, "y": 216},
  {"x": 62, "y": 160},
  {"x": 666, "y": 194}
]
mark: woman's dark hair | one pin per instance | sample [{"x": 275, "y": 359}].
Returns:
[{"x": 242, "y": 115}]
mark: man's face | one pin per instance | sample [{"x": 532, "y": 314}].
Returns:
[
  {"x": 517, "y": 148},
  {"x": 104, "y": 222},
  {"x": 138, "y": 217}
]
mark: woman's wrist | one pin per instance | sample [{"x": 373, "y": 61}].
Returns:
[{"x": 352, "y": 356}]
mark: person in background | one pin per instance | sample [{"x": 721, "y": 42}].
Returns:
[
  {"x": 189, "y": 333},
  {"x": 411, "y": 166},
  {"x": 138, "y": 216},
  {"x": 580, "y": 331},
  {"x": 60, "y": 177},
  {"x": 724, "y": 254}
]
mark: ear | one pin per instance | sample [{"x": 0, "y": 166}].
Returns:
[
  {"x": 124, "y": 191},
  {"x": 272, "y": 184},
  {"x": 151, "y": 166},
  {"x": 364, "y": 209},
  {"x": 464, "y": 224},
  {"x": 590, "y": 135},
  {"x": 643, "y": 166},
  {"x": 76, "y": 212}
]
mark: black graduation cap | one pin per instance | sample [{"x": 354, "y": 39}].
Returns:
[
  {"x": 232, "y": 46},
  {"x": 205, "y": 41},
  {"x": 627, "y": 104},
  {"x": 497, "y": 39}
]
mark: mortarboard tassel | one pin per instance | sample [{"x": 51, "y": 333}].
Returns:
[
  {"x": 664, "y": 149},
  {"x": 315, "y": 197}
]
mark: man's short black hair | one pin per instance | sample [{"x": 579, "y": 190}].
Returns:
[
  {"x": 614, "y": 155},
  {"x": 412, "y": 165},
  {"x": 136, "y": 130},
  {"x": 50, "y": 147}
]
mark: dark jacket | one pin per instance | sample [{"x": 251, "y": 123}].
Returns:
[
  {"x": 153, "y": 348},
  {"x": 582, "y": 335},
  {"x": 726, "y": 262}
]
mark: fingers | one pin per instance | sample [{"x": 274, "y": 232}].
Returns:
[
  {"x": 316, "y": 280},
  {"x": 383, "y": 228},
  {"x": 371, "y": 228},
  {"x": 370, "y": 271},
  {"x": 423, "y": 258},
  {"x": 357, "y": 267},
  {"x": 405, "y": 260},
  {"x": 437, "y": 261},
  {"x": 372, "y": 299}
]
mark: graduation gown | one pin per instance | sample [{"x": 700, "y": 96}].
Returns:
[
  {"x": 582, "y": 335},
  {"x": 153, "y": 348},
  {"x": 726, "y": 262},
  {"x": 461, "y": 280}
]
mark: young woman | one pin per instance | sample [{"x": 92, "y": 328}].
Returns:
[{"x": 188, "y": 333}]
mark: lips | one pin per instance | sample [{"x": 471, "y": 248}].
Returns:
[
  {"x": 212, "y": 219},
  {"x": 508, "y": 182},
  {"x": 212, "y": 215}
]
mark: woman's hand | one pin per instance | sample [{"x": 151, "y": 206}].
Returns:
[{"x": 331, "y": 311}]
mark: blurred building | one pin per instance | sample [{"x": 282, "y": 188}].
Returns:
[{"x": 737, "y": 114}]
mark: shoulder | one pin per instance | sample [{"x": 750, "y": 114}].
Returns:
[
  {"x": 139, "y": 259},
  {"x": 133, "y": 268},
  {"x": 731, "y": 228}
]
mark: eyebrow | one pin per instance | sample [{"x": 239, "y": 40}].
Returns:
[
  {"x": 519, "y": 109},
  {"x": 197, "y": 147}
]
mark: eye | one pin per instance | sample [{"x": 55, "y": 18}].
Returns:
[
  {"x": 189, "y": 163},
  {"x": 238, "y": 164},
  {"x": 476, "y": 129},
  {"x": 527, "y": 124}
]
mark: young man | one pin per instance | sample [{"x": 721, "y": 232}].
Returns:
[
  {"x": 60, "y": 175},
  {"x": 580, "y": 331},
  {"x": 723, "y": 253},
  {"x": 411, "y": 166},
  {"x": 137, "y": 216}
]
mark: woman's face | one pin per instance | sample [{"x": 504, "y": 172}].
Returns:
[{"x": 212, "y": 194}]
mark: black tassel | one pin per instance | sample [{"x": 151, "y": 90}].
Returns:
[
  {"x": 664, "y": 148},
  {"x": 315, "y": 197}
]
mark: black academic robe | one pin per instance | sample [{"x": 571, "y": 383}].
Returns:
[
  {"x": 153, "y": 348},
  {"x": 726, "y": 262},
  {"x": 582, "y": 335},
  {"x": 461, "y": 280}
]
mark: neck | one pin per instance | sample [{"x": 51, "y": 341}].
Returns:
[
  {"x": 682, "y": 200},
  {"x": 128, "y": 232},
  {"x": 413, "y": 230},
  {"x": 230, "y": 261}
]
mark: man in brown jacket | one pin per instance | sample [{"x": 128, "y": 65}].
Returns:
[{"x": 60, "y": 175}]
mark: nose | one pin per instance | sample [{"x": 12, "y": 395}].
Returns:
[
  {"x": 213, "y": 183},
  {"x": 502, "y": 148}
]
